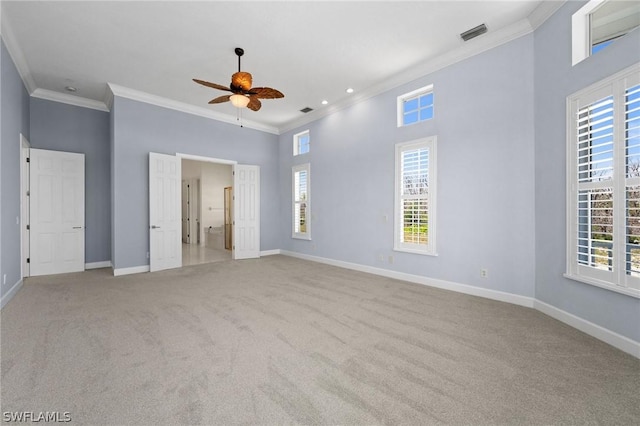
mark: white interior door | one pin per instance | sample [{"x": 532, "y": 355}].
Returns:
[
  {"x": 246, "y": 211},
  {"x": 165, "y": 246},
  {"x": 57, "y": 212}
]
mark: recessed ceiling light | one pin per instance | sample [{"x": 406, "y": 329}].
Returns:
[
  {"x": 349, "y": 90},
  {"x": 325, "y": 102},
  {"x": 70, "y": 89}
]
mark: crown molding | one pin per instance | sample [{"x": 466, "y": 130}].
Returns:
[
  {"x": 16, "y": 53},
  {"x": 544, "y": 11},
  {"x": 148, "y": 98},
  {"x": 69, "y": 99},
  {"x": 465, "y": 51}
]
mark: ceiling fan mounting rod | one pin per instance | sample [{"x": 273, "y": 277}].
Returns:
[{"x": 239, "y": 52}]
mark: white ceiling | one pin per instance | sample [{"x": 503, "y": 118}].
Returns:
[{"x": 309, "y": 50}]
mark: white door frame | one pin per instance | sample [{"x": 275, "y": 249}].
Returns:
[{"x": 24, "y": 205}]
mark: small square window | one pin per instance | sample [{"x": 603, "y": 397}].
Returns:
[
  {"x": 599, "y": 23},
  {"x": 301, "y": 143},
  {"x": 415, "y": 106}
]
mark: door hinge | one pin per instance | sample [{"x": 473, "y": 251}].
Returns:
[
  {"x": 28, "y": 227},
  {"x": 28, "y": 260},
  {"x": 28, "y": 193},
  {"x": 28, "y": 160}
]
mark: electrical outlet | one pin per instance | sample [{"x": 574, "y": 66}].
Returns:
[
  {"x": 390, "y": 259},
  {"x": 147, "y": 255},
  {"x": 4, "y": 279},
  {"x": 484, "y": 273},
  {"x": 385, "y": 218},
  {"x": 381, "y": 258}
]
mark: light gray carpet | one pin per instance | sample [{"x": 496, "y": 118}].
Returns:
[{"x": 284, "y": 341}]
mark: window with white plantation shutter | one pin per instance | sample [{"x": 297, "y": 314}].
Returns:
[
  {"x": 603, "y": 235},
  {"x": 415, "y": 196},
  {"x": 301, "y": 202}
]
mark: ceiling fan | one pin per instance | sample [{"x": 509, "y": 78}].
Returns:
[{"x": 242, "y": 93}]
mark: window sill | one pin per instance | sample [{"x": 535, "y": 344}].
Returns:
[
  {"x": 623, "y": 290},
  {"x": 420, "y": 252},
  {"x": 301, "y": 237}
]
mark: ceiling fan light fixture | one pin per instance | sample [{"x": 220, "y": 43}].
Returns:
[{"x": 239, "y": 101}]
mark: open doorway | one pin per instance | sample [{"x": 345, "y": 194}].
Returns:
[{"x": 206, "y": 211}]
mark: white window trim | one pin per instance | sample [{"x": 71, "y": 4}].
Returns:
[
  {"x": 430, "y": 248},
  {"x": 581, "y": 31},
  {"x": 296, "y": 143},
  {"x": 301, "y": 235},
  {"x": 628, "y": 77},
  {"x": 402, "y": 98}
]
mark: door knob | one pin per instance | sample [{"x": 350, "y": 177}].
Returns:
[{"x": 155, "y": 227}]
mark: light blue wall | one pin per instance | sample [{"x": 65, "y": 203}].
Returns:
[
  {"x": 555, "y": 79},
  {"x": 485, "y": 204},
  {"x": 140, "y": 128},
  {"x": 15, "y": 120},
  {"x": 61, "y": 127},
  {"x": 112, "y": 195},
  {"x": 2, "y": 299}
]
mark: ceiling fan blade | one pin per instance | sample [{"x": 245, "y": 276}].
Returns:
[
  {"x": 220, "y": 99},
  {"x": 212, "y": 85},
  {"x": 266, "y": 93},
  {"x": 254, "y": 103}
]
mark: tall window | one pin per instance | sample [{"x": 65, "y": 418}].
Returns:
[
  {"x": 301, "y": 202},
  {"x": 301, "y": 143},
  {"x": 415, "y": 212},
  {"x": 603, "y": 239},
  {"x": 415, "y": 106}
]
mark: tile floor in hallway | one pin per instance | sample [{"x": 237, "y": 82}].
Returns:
[{"x": 194, "y": 254}]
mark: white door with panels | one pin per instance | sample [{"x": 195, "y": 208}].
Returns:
[
  {"x": 56, "y": 239},
  {"x": 246, "y": 212},
  {"x": 165, "y": 219}
]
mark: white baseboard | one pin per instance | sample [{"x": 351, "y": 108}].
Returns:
[
  {"x": 98, "y": 265},
  {"x": 614, "y": 339},
  {"x": 132, "y": 270},
  {"x": 431, "y": 282},
  {"x": 12, "y": 292},
  {"x": 270, "y": 252}
]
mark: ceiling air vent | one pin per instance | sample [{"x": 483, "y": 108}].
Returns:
[
  {"x": 474, "y": 32},
  {"x": 306, "y": 110}
]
